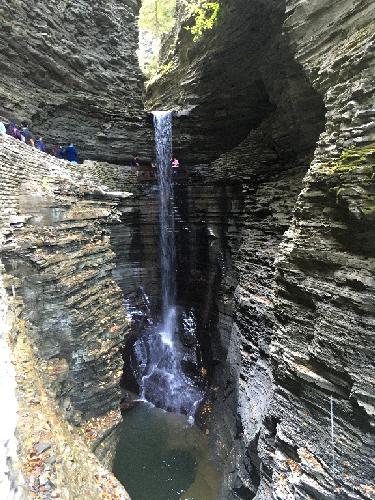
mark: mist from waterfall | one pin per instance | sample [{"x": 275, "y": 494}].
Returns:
[{"x": 159, "y": 351}]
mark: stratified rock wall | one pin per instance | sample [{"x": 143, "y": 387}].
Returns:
[
  {"x": 270, "y": 189},
  {"x": 59, "y": 256},
  {"x": 318, "y": 441},
  {"x": 66, "y": 310},
  {"x": 70, "y": 69}
]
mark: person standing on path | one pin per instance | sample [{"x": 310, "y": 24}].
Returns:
[
  {"x": 175, "y": 165},
  {"x": 71, "y": 154},
  {"x": 3, "y": 130},
  {"x": 27, "y": 136},
  {"x": 136, "y": 163},
  {"x": 13, "y": 131},
  {"x": 58, "y": 152},
  {"x": 39, "y": 144}
]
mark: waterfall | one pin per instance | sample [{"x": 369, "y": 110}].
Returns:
[
  {"x": 159, "y": 351},
  {"x": 163, "y": 143}
]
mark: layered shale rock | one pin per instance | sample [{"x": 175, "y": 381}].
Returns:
[
  {"x": 64, "y": 302},
  {"x": 270, "y": 188},
  {"x": 238, "y": 75},
  {"x": 321, "y": 347},
  {"x": 70, "y": 69},
  {"x": 292, "y": 343}
]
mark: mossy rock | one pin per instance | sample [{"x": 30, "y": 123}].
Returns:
[
  {"x": 369, "y": 210},
  {"x": 361, "y": 159}
]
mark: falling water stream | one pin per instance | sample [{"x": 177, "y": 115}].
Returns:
[
  {"x": 160, "y": 353},
  {"x": 162, "y": 454},
  {"x": 163, "y": 144}
]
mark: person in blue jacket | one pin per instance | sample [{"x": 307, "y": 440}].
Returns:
[
  {"x": 26, "y": 135},
  {"x": 71, "y": 154},
  {"x": 39, "y": 144}
]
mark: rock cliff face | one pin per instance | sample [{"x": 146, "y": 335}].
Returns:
[
  {"x": 233, "y": 79},
  {"x": 70, "y": 69},
  {"x": 322, "y": 338},
  {"x": 296, "y": 319},
  {"x": 66, "y": 311},
  {"x": 321, "y": 347},
  {"x": 270, "y": 189}
]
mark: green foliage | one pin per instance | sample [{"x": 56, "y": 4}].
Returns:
[
  {"x": 159, "y": 71},
  {"x": 205, "y": 16},
  {"x": 152, "y": 67},
  {"x": 157, "y": 16}
]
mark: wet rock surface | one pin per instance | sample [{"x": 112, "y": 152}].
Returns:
[
  {"x": 70, "y": 69},
  {"x": 206, "y": 230},
  {"x": 67, "y": 317}
]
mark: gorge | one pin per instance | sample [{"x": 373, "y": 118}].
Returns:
[{"x": 237, "y": 294}]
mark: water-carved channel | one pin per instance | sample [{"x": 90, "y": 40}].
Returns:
[{"x": 167, "y": 447}]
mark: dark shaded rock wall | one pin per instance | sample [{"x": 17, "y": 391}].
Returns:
[
  {"x": 136, "y": 242},
  {"x": 206, "y": 231},
  {"x": 70, "y": 69},
  {"x": 238, "y": 75},
  {"x": 307, "y": 336}
]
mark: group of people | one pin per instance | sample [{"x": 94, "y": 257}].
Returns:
[
  {"x": 23, "y": 133},
  {"x": 136, "y": 162},
  {"x": 69, "y": 153}
]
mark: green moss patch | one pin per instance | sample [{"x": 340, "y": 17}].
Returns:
[{"x": 353, "y": 159}]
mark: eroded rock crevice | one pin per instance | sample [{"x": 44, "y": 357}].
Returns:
[{"x": 238, "y": 76}]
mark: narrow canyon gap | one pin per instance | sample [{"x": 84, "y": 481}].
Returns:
[{"x": 237, "y": 293}]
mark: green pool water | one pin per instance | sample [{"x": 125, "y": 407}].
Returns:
[{"x": 160, "y": 456}]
